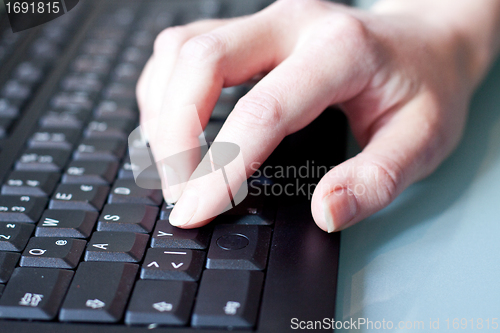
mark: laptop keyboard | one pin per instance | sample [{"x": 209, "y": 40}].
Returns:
[{"x": 79, "y": 240}]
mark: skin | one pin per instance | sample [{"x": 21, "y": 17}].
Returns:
[{"x": 403, "y": 73}]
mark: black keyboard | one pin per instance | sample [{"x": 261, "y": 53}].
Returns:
[{"x": 81, "y": 245}]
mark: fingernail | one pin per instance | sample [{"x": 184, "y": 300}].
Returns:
[
  {"x": 171, "y": 184},
  {"x": 184, "y": 209},
  {"x": 339, "y": 208}
]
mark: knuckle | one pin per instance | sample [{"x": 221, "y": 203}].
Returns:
[
  {"x": 259, "y": 110},
  {"x": 202, "y": 48},
  {"x": 348, "y": 23},
  {"x": 170, "y": 37},
  {"x": 346, "y": 26}
]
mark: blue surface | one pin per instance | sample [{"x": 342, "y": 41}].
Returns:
[{"x": 435, "y": 251}]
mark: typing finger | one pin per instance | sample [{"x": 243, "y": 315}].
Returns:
[{"x": 204, "y": 65}]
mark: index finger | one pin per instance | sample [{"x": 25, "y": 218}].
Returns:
[{"x": 205, "y": 64}]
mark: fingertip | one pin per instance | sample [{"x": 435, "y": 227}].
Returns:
[
  {"x": 184, "y": 210},
  {"x": 340, "y": 208},
  {"x": 336, "y": 210}
]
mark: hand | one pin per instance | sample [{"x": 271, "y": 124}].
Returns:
[{"x": 401, "y": 75}]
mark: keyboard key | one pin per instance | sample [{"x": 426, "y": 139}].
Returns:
[
  {"x": 42, "y": 160},
  {"x": 166, "y": 235},
  {"x": 52, "y": 252},
  {"x": 228, "y": 298},
  {"x": 111, "y": 128},
  {"x": 9, "y": 108},
  {"x": 16, "y": 90},
  {"x": 99, "y": 292},
  {"x": 126, "y": 191},
  {"x": 106, "y": 149},
  {"x": 126, "y": 72},
  {"x": 72, "y": 100},
  {"x": 14, "y": 236},
  {"x": 72, "y": 118},
  {"x": 120, "y": 91},
  {"x": 142, "y": 39},
  {"x": 54, "y": 138},
  {"x": 30, "y": 183},
  {"x": 127, "y": 169},
  {"x": 8, "y": 261},
  {"x": 135, "y": 55},
  {"x": 44, "y": 49},
  {"x": 90, "y": 172},
  {"x": 92, "y": 64},
  {"x": 85, "y": 197},
  {"x": 104, "y": 47},
  {"x": 161, "y": 302},
  {"x": 21, "y": 208},
  {"x": 173, "y": 264},
  {"x": 55, "y": 33},
  {"x": 66, "y": 223},
  {"x": 28, "y": 72},
  {"x": 239, "y": 247},
  {"x": 34, "y": 293},
  {"x": 88, "y": 82},
  {"x": 116, "y": 246},
  {"x": 127, "y": 217},
  {"x": 148, "y": 178},
  {"x": 109, "y": 109}
]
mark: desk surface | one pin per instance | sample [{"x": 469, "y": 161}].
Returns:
[{"x": 435, "y": 251}]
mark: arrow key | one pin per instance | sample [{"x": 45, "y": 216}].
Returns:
[
  {"x": 173, "y": 264},
  {"x": 161, "y": 302}
]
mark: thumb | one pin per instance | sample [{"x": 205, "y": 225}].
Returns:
[{"x": 407, "y": 147}]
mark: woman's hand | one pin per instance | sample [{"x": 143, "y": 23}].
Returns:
[{"x": 402, "y": 73}]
